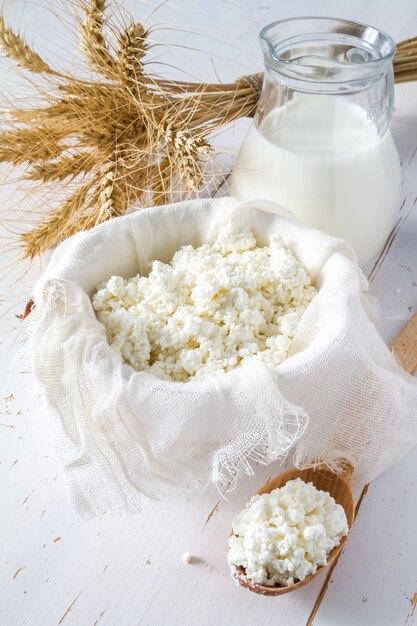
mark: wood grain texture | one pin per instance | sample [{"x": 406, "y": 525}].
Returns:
[
  {"x": 332, "y": 567},
  {"x": 405, "y": 346},
  {"x": 127, "y": 571}
]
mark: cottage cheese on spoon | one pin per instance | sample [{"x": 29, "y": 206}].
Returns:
[
  {"x": 210, "y": 309},
  {"x": 285, "y": 535}
]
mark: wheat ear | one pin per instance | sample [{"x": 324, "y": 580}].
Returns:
[
  {"x": 65, "y": 167},
  {"x": 133, "y": 47},
  {"x": 15, "y": 47},
  {"x": 93, "y": 42},
  {"x": 186, "y": 151},
  {"x": 53, "y": 230},
  {"x": 29, "y": 145},
  {"x": 108, "y": 198}
]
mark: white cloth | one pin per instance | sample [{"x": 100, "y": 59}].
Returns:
[{"x": 121, "y": 433}]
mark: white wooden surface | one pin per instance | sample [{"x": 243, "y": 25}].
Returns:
[{"x": 127, "y": 570}]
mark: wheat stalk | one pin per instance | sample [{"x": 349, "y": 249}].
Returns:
[
  {"x": 15, "y": 47},
  {"x": 108, "y": 197},
  {"x": 93, "y": 42},
  {"x": 161, "y": 181},
  {"x": 82, "y": 210},
  {"x": 187, "y": 151},
  {"x": 65, "y": 167},
  {"x": 53, "y": 230},
  {"x": 29, "y": 145},
  {"x": 133, "y": 47}
]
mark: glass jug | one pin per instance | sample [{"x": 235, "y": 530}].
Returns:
[{"x": 320, "y": 144}]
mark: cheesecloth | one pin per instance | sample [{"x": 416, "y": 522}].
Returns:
[{"x": 120, "y": 433}]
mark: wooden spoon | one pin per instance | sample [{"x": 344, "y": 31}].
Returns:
[{"x": 338, "y": 486}]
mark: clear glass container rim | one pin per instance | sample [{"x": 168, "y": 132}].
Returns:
[{"x": 285, "y": 62}]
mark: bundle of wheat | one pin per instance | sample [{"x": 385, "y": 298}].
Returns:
[{"x": 122, "y": 137}]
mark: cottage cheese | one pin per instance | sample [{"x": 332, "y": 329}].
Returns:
[
  {"x": 283, "y": 536},
  {"x": 210, "y": 309},
  {"x": 187, "y": 557}
]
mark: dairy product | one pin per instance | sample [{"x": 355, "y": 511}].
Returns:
[
  {"x": 187, "y": 558},
  {"x": 320, "y": 157},
  {"x": 211, "y": 309},
  {"x": 285, "y": 535}
]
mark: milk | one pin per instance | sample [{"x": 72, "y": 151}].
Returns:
[{"x": 321, "y": 158}]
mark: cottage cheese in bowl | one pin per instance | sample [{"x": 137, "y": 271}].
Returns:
[
  {"x": 209, "y": 310},
  {"x": 283, "y": 536}
]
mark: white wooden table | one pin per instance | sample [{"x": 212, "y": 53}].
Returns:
[{"x": 127, "y": 570}]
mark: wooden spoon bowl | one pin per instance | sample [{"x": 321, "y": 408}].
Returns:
[{"x": 323, "y": 478}]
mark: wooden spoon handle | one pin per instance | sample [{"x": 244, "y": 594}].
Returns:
[{"x": 405, "y": 346}]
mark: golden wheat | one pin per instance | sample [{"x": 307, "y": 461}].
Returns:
[
  {"x": 65, "y": 167},
  {"x": 161, "y": 181},
  {"x": 15, "y": 47},
  {"x": 55, "y": 228},
  {"x": 132, "y": 49},
  {"x": 29, "y": 145},
  {"x": 108, "y": 198},
  {"x": 187, "y": 150},
  {"x": 93, "y": 43}
]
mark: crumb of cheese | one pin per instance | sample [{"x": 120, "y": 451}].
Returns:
[
  {"x": 210, "y": 309},
  {"x": 285, "y": 535},
  {"x": 187, "y": 558}
]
